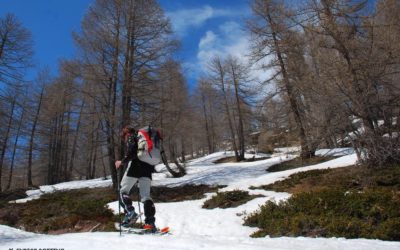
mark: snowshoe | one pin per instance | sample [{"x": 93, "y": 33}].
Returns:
[{"x": 129, "y": 219}]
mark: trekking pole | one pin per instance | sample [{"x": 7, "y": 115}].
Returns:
[
  {"x": 119, "y": 202},
  {"x": 138, "y": 196}
]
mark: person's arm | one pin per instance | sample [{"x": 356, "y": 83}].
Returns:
[{"x": 131, "y": 150}]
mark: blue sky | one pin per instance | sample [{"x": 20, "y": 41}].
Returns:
[{"x": 205, "y": 28}]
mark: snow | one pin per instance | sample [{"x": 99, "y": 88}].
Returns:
[
  {"x": 193, "y": 227},
  {"x": 343, "y": 161},
  {"x": 391, "y": 135},
  {"x": 107, "y": 241},
  {"x": 335, "y": 152},
  {"x": 287, "y": 150},
  {"x": 204, "y": 171}
]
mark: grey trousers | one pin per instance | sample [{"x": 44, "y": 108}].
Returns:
[
  {"x": 127, "y": 182},
  {"x": 144, "y": 184}
]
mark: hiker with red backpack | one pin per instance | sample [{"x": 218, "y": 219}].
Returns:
[{"x": 142, "y": 153}]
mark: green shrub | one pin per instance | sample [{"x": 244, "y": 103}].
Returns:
[
  {"x": 388, "y": 230},
  {"x": 228, "y": 199},
  {"x": 61, "y": 210},
  {"x": 373, "y": 213},
  {"x": 91, "y": 209},
  {"x": 181, "y": 193},
  {"x": 83, "y": 209}
]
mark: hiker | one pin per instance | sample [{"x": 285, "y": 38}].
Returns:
[{"x": 137, "y": 171}]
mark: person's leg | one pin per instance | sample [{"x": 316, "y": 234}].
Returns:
[
  {"x": 149, "y": 208},
  {"x": 127, "y": 183}
]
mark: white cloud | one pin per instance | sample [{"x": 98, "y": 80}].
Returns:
[
  {"x": 230, "y": 29},
  {"x": 183, "y": 20},
  {"x": 229, "y": 39},
  {"x": 208, "y": 39}
]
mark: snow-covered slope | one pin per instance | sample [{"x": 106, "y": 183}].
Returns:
[
  {"x": 107, "y": 241},
  {"x": 35, "y": 194},
  {"x": 196, "y": 228}
]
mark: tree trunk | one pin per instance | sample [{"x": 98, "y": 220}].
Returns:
[
  {"x": 174, "y": 173},
  {"x": 75, "y": 142},
  {"x": 241, "y": 130},
  {"x": 29, "y": 174},
  {"x": 213, "y": 135},
  {"x": 96, "y": 141},
  {"x": 52, "y": 146},
  {"x": 59, "y": 148},
  {"x": 128, "y": 70},
  {"x": 172, "y": 150},
  {"x": 15, "y": 149},
  {"x": 111, "y": 154},
  {"x": 206, "y": 124},
  {"x": 111, "y": 107},
  {"x": 66, "y": 148},
  {"x": 228, "y": 112},
  {"x": 6, "y": 137},
  {"x": 90, "y": 155},
  {"x": 231, "y": 128},
  {"x": 183, "y": 149},
  {"x": 306, "y": 151},
  {"x": 104, "y": 165}
]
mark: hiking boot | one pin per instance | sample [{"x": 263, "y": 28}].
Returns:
[
  {"x": 129, "y": 219},
  {"x": 150, "y": 227}
]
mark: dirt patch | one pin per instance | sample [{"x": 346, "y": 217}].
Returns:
[
  {"x": 176, "y": 194},
  {"x": 229, "y": 199},
  {"x": 232, "y": 159},
  {"x": 298, "y": 162},
  {"x": 225, "y": 160}
]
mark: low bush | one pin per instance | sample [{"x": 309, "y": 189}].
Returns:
[
  {"x": 84, "y": 209},
  {"x": 373, "y": 213},
  {"x": 10, "y": 195},
  {"x": 228, "y": 199},
  {"x": 61, "y": 211},
  {"x": 349, "y": 178}
]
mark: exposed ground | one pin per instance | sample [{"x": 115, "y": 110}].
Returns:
[
  {"x": 82, "y": 210},
  {"x": 354, "y": 177},
  {"x": 231, "y": 159},
  {"x": 298, "y": 162},
  {"x": 229, "y": 199}
]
